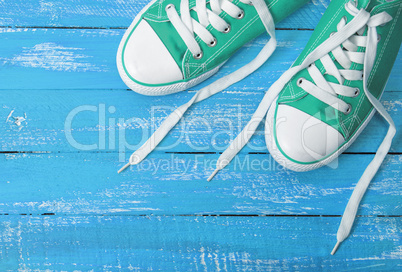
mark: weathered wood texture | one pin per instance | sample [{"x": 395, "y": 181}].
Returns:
[
  {"x": 112, "y": 14},
  {"x": 169, "y": 184},
  {"x": 129, "y": 117},
  {"x": 86, "y": 59},
  {"x": 130, "y": 243},
  {"x": 57, "y": 56}
]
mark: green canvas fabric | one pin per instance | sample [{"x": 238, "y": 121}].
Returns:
[
  {"x": 242, "y": 31},
  {"x": 387, "y": 50}
]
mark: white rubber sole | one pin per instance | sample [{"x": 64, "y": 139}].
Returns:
[
  {"x": 298, "y": 167},
  {"x": 157, "y": 90}
]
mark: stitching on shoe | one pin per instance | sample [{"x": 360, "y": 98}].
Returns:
[
  {"x": 293, "y": 96},
  {"x": 186, "y": 65},
  {"x": 373, "y": 71},
  {"x": 355, "y": 116},
  {"x": 160, "y": 9},
  {"x": 358, "y": 119},
  {"x": 292, "y": 92},
  {"x": 156, "y": 20},
  {"x": 244, "y": 28},
  {"x": 213, "y": 57},
  {"x": 347, "y": 134},
  {"x": 312, "y": 47},
  {"x": 233, "y": 39}
]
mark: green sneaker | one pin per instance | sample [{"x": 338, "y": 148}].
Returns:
[
  {"x": 324, "y": 101},
  {"x": 175, "y": 44},
  {"x": 324, "y": 108}
]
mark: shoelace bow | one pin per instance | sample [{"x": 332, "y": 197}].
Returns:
[
  {"x": 328, "y": 93},
  {"x": 218, "y": 85}
]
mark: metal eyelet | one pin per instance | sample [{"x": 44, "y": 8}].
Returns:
[
  {"x": 240, "y": 15},
  {"x": 300, "y": 81},
  {"x": 198, "y": 56},
  {"x": 349, "y": 109},
  {"x": 227, "y": 29},
  {"x": 378, "y": 37},
  {"x": 345, "y": 18},
  {"x": 332, "y": 34},
  {"x": 169, "y": 6},
  {"x": 357, "y": 92},
  {"x": 212, "y": 43}
]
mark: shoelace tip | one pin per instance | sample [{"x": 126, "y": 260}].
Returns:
[
  {"x": 213, "y": 175},
  {"x": 123, "y": 168},
  {"x": 335, "y": 248}
]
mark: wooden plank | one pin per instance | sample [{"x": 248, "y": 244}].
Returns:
[
  {"x": 103, "y": 243},
  {"x": 172, "y": 184},
  {"x": 208, "y": 127},
  {"x": 34, "y": 59},
  {"x": 46, "y": 73},
  {"x": 112, "y": 14}
]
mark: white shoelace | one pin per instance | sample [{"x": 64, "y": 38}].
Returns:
[
  {"x": 186, "y": 26},
  {"x": 220, "y": 84},
  {"x": 327, "y": 93}
]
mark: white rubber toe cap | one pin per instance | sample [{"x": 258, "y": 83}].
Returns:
[
  {"x": 146, "y": 58},
  {"x": 303, "y": 137}
]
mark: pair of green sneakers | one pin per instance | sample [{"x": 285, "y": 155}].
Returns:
[{"x": 316, "y": 109}]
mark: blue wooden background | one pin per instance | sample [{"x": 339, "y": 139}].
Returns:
[{"x": 62, "y": 208}]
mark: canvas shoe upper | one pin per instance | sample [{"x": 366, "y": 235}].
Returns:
[
  {"x": 173, "y": 45},
  {"x": 259, "y": 14},
  {"x": 323, "y": 109},
  {"x": 308, "y": 127},
  {"x": 321, "y": 104}
]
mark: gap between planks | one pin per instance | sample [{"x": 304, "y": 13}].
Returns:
[
  {"x": 119, "y": 27},
  {"x": 167, "y": 152},
  {"x": 196, "y": 215}
]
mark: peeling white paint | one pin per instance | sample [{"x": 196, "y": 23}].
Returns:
[
  {"x": 9, "y": 115},
  {"x": 320, "y": 3},
  {"x": 394, "y": 105},
  {"x": 55, "y": 57},
  {"x": 18, "y": 120}
]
